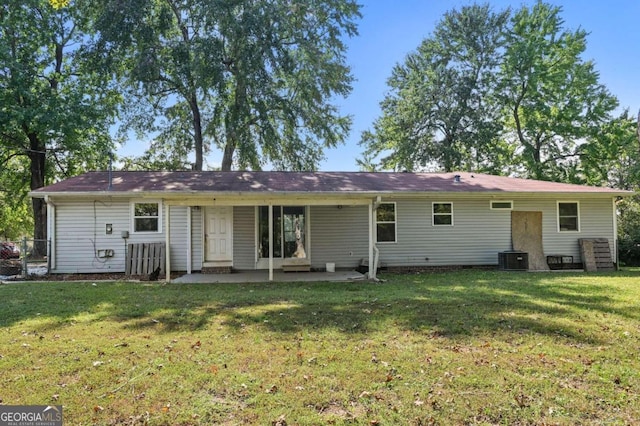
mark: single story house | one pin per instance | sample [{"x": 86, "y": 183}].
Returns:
[{"x": 244, "y": 220}]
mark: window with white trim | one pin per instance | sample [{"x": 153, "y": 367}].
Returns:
[
  {"x": 568, "y": 216},
  {"x": 442, "y": 214},
  {"x": 386, "y": 223},
  {"x": 146, "y": 216}
]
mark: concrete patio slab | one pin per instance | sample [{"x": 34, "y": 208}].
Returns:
[{"x": 263, "y": 276}]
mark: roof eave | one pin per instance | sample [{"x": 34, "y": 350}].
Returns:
[{"x": 206, "y": 194}]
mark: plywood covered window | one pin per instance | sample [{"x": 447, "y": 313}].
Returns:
[
  {"x": 146, "y": 216},
  {"x": 442, "y": 214},
  {"x": 568, "y": 216},
  {"x": 386, "y": 223}
]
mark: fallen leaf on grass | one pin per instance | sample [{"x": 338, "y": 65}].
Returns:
[
  {"x": 196, "y": 345},
  {"x": 279, "y": 422},
  {"x": 98, "y": 408},
  {"x": 272, "y": 389},
  {"x": 213, "y": 369}
]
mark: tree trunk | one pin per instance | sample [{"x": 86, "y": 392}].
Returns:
[
  {"x": 197, "y": 132},
  {"x": 37, "y": 160},
  {"x": 234, "y": 125},
  {"x": 227, "y": 159}
]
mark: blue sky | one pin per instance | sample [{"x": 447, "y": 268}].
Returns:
[{"x": 390, "y": 29}]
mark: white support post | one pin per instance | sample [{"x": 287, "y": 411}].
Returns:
[
  {"x": 167, "y": 241},
  {"x": 372, "y": 267},
  {"x": 615, "y": 233},
  {"x": 270, "y": 242},
  {"x": 189, "y": 240}
]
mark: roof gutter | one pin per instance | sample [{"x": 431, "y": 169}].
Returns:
[{"x": 367, "y": 194}]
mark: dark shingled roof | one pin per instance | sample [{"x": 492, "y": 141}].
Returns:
[{"x": 307, "y": 182}]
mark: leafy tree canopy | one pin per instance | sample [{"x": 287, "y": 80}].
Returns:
[
  {"x": 56, "y": 108},
  {"x": 505, "y": 92},
  {"x": 254, "y": 79}
]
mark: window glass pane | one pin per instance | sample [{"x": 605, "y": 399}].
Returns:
[
  {"x": 263, "y": 226},
  {"x": 146, "y": 224},
  {"x": 568, "y": 209},
  {"x": 442, "y": 208},
  {"x": 501, "y": 205},
  {"x": 146, "y": 209},
  {"x": 386, "y": 232},
  {"x": 568, "y": 223},
  {"x": 293, "y": 220},
  {"x": 386, "y": 213},
  {"x": 442, "y": 219},
  {"x": 146, "y": 217}
]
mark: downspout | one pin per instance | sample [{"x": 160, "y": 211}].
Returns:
[
  {"x": 270, "y": 242},
  {"x": 51, "y": 233},
  {"x": 375, "y": 253}
]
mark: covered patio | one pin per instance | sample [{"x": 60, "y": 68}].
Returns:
[{"x": 260, "y": 276}]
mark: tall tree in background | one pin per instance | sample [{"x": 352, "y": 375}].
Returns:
[
  {"x": 441, "y": 111},
  {"x": 552, "y": 97},
  {"x": 252, "y": 78},
  {"x": 55, "y": 108},
  {"x": 499, "y": 92},
  {"x": 612, "y": 156}
]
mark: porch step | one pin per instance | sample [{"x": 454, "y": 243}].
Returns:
[
  {"x": 295, "y": 264},
  {"x": 216, "y": 270}
]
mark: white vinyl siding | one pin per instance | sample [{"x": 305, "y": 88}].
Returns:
[
  {"x": 596, "y": 221},
  {"x": 178, "y": 237},
  {"x": 425, "y": 245},
  {"x": 196, "y": 239},
  {"x": 80, "y": 232},
  {"x": 480, "y": 233},
  {"x": 244, "y": 237},
  {"x": 339, "y": 235}
]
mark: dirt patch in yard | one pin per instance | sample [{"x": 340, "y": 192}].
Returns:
[{"x": 90, "y": 277}]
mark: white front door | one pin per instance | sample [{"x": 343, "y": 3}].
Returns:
[{"x": 219, "y": 234}]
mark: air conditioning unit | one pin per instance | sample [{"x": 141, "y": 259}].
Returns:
[{"x": 513, "y": 261}]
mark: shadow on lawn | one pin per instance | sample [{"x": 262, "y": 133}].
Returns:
[{"x": 448, "y": 304}]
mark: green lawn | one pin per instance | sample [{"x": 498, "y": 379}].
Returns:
[{"x": 452, "y": 348}]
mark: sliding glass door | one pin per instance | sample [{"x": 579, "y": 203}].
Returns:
[{"x": 289, "y": 231}]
